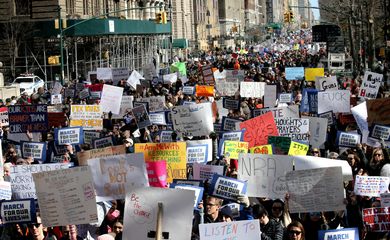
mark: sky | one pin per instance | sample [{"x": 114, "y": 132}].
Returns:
[{"x": 316, "y": 12}]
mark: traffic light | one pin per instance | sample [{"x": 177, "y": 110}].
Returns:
[
  {"x": 291, "y": 15},
  {"x": 159, "y": 18},
  {"x": 287, "y": 17},
  {"x": 164, "y": 17}
]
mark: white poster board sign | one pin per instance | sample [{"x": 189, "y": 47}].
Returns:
[
  {"x": 370, "y": 85},
  {"x": 252, "y": 89},
  {"x": 248, "y": 230},
  {"x": 295, "y": 128},
  {"x": 318, "y": 129},
  {"x": 337, "y": 101},
  {"x": 206, "y": 172},
  {"x": 126, "y": 106},
  {"x": 327, "y": 83},
  {"x": 111, "y": 99},
  {"x": 371, "y": 186},
  {"x": 134, "y": 79},
  {"x": 199, "y": 151},
  {"x": 270, "y": 96}
]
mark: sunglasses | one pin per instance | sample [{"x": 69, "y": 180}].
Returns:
[
  {"x": 316, "y": 152},
  {"x": 36, "y": 225},
  {"x": 277, "y": 208},
  {"x": 295, "y": 232}
]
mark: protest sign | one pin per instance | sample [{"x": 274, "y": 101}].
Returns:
[
  {"x": 134, "y": 79},
  {"x": 111, "y": 99},
  {"x": 190, "y": 182},
  {"x": 188, "y": 90},
  {"x": 295, "y": 128},
  {"x": 36, "y": 150},
  {"x": 166, "y": 136},
  {"x": 174, "y": 153},
  {"x": 193, "y": 120},
  {"x": 258, "y": 129},
  {"x": 21, "y": 179},
  {"x": 89, "y": 136},
  {"x": 233, "y": 136},
  {"x": 298, "y": 149},
  {"x": 206, "y": 172},
  {"x": 229, "y": 124},
  {"x": 142, "y": 210},
  {"x": 90, "y": 117},
  {"x": 295, "y": 73},
  {"x": 157, "y": 173},
  {"x": 208, "y": 75},
  {"x": 380, "y": 132},
  {"x": 56, "y": 99},
  {"x": 149, "y": 71},
  {"x": 234, "y": 207},
  {"x": 114, "y": 74},
  {"x": 204, "y": 91},
  {"x": 329, "y": 116},
  {"x": 385, "y": 199},
  {"x": 32, "y": 118},
  {"x": 234, "y": 148},
  {"x": 327, "y": 83},
  {"x": 4, "y": 117},
  {"x": 371, "y": 186},
  {"x": 226, "y": 188},
  {"x": 233, "y": 75},
  {"x": 377, "y": 219},
  {"x": 5, "y": 190},
  {"x": 198, "y": 192},
  {"x": 141, "y": 116},
  {"x": 95, "y": 94},
  {"x": 56, "y": 88},
  {"x": 248, "y": 230},
  {"x": 69, "y": 93},
  {"x": 370, "y": 85},
  {"x": 126, "y": 106},
  {"x": 225, "y": 88},
  {"x": 58, "y": 190},
  {"x": 114, "y": 175},
  {"x": 18, "y": 211},
  {"x": 318, "y": 129},
  {"x": 99, "y": 153},
  {"x": 199, "y": 151},
  {"x": 262, "y": 149},
  {"x": 252, "y": 89},
  {"x": 378, "y": 111},
  {"x": 157, "y": 118},
  {"x": 285, "y": 98},
  {"x": 346, "y": 139},
  {"x": 71, "y": 135},
  {"x": 280, "y": 112},
  {"x": 84, "y": 93},
  {"x": 155, "y": 104},
  {"x": 334, "y": 234},
  {"x": 170, "y": 78},
  {"x": 312, "y": 73},
  {"x": 220, "y": 76},
  {"x": 270, "y": 96},
  {"x": 336, "y": 101},
  {"x": 231, "y": 104},
  {"x": 103, "y": 142},
  {"x": 315, "y": 190},
  {"x": 57, "y": 119},
  {"x": 309, "y": 101}
]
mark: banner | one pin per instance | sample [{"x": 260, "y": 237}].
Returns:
[
  {"x": 318, "y": 131},
  {"x": 32, "y": 118},
  {"x": 270, "y": 96},
  {"x": 141, "y": 211},
  {"x": 327, "y": 83},
  {"x": 298, "y": 149},
  {"x": 21, "y": 178},
  {"x": 198, "y": 192},
  {"x": 262, "y": 149},
  {"x": 234, "y": 148},
  {"x": 258, "y": 129},
  {"x": 226, "y": 188},
  {"x": 312, "y": 73},
  {"x": 252, "y": 89},
  {"x": 380, "y": 132},
  {"x": 188, "y": 90},
  {"x": 4, "y": 117},
  {"x": 225, "y": 88},
  {"x": 199, "y": 151},
  {"x": 114, "y": 175},
  {"x": 36, "y": 150},
  {"x": 99, "y": 153},
  {"x": 103, "y": 142},
  {"x": 370, "y": 85},
  {"x": 71, "y": 135},
  {"x": 18, "y": 211},
  {"x": 174, "y": 153},
  {"x": 336, "y": 101},
  {"x": 231, "y": 104},
  {"x": 295, "y": 128},
  {"x": 285, "y": 98},
  {"x": 206, "y": 172},
  {"x": 229, "y": 124},
  {"x": 111, "y": 99},
  {"x": 90, "y": 117},
  {"x": 157, "y": 173},
  {"x": 346, "y": 139},
  {"x": 248, "y": 230},
  {"x": 59, "y": 190},
  {"x": 125, "y": 108},
  {"x": 204, "y": 91},
  {"x": 280, "y": 112},
  {"x": 5, "y": 190},
  {"x": 378, "y": 111},
  {"x": 371, "y": 186},
  {"x": 344, "y": 234},
  {"x": 193, "y": 120},
  {"x": 295, "y": 73},
  {"x": 315, "y": 190},
  {"x": 377, "y": 219}
]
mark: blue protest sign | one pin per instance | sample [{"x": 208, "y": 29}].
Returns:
[
  {"x": 18, "y": 211},
  {"x": 36, "y": 150},
  {"x": 346, "y": 139},
  {"x": 198, "y": 192},
  {"x": 309, "y": 101},
  {"x": 378, "y": 131},
  {"x": 336, "y": 234},
  {"x": 227, "y": 188},
  {"x": 71, "y": 135},
  {"x": 295, "y": 73},
  {"x": 191, "y": 182},
  {"x": 103, "y": 142},
  {"x": 32, "y": 118}
]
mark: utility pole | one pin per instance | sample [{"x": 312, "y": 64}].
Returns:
[
  {"x": 171, "y": 37},
  {"x": 61, "y": 45}
]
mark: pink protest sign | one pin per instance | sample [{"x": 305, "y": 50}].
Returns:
[{"x": 157, "y": 173}]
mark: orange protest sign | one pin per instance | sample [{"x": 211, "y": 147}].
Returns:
[{"x": 204, "y": 91}]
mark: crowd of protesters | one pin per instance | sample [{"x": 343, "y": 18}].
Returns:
[{"x": 273, "y": 214}]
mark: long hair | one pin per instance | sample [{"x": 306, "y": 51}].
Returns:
[{"x": 298, "y": 225}]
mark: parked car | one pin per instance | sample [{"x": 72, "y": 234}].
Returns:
[{"x": 28, "y": 83}]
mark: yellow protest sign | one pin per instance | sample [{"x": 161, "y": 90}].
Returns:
[
  {"x": 262, "y": 149},
  {"x": 312, "y": 73},
  {"x": 90, "y": 117},
  {"x": 174, "y": 153},
  {"x": 234, "y": 148},
  {"x": 298, "y": 149}
]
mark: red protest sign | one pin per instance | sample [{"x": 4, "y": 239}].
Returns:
[{"x": 377, "y": 219}]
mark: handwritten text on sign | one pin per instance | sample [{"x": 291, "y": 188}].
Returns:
[
  {"x": 295, "y": 128},
  {"x": 377, "y": 219},
  {"x": 371, "y": 186},
  {"x": 249, "y": 230}
]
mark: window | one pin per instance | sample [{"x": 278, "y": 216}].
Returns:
[
  {"x": 70, "y": 7},
  {"x": 22, "y": 7},
  {"x": 86, "y": 7}
]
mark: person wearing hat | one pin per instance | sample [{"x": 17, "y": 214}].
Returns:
[{"x": 24, "y": 99}]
